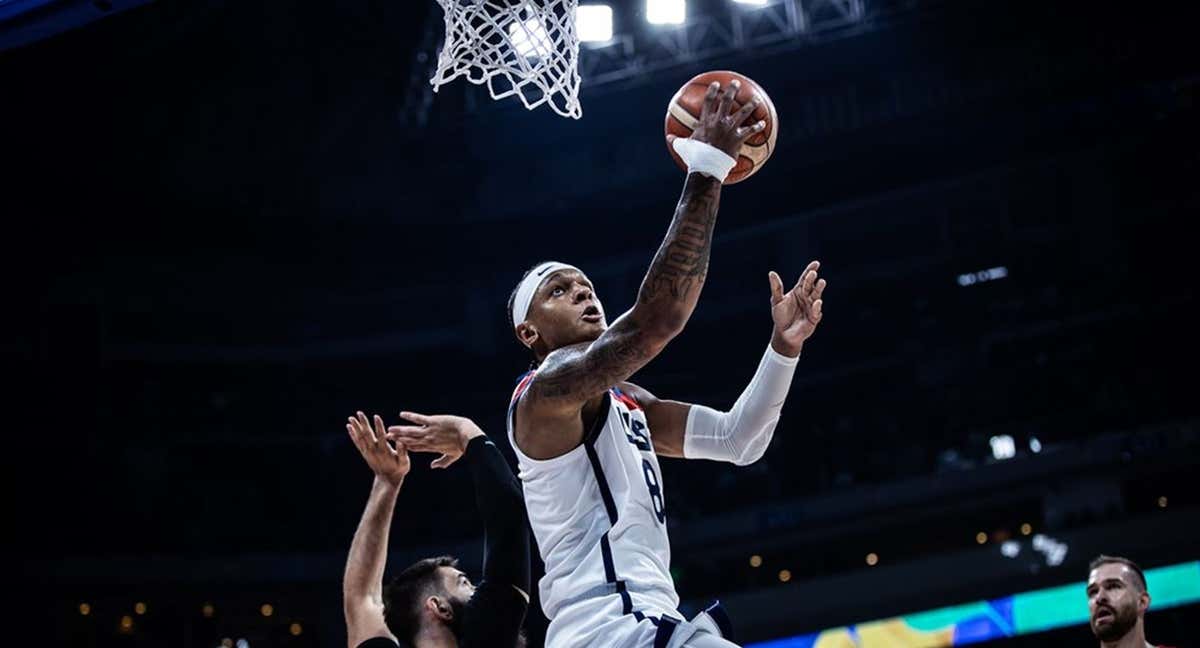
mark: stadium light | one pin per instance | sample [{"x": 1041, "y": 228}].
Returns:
[
  {"x": 1003, "y": 446},
  {"x": 991, "y": 274},
  {"x": 666, "y": 12},
  {"x": 594, "y": 23},
  {"x": 1054, "y": 550},
  {"x": 530, "y": 38},
  {"x": 752, "y": 3}
]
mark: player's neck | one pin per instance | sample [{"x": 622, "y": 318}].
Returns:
[
  {"x": 438, "y": 636},
  {"x": 1135, "y": 638}
]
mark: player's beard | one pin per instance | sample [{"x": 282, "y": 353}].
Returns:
[
  {"x": 458, "y": 624},
  {"x": 1123, "y": 620}
]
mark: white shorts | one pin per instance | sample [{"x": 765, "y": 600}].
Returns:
[{"x": 602, "y": 623}]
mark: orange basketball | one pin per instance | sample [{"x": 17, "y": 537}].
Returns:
[{"x": 684, "y": 111}]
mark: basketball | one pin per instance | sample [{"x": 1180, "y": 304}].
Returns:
[{"x": 684, "y": 111}]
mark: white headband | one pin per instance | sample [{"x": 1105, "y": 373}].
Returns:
[{"x": 529, "y": 285}]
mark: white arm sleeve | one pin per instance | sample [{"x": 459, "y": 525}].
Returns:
[{"x": 741, "y": 435}]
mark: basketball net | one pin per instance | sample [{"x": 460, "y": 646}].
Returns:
[{"x": 526, "y": 48}]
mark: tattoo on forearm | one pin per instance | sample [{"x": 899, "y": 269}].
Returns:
[
  {"x": 669, "y": 290},
  {"x": 681, "y": 264}
]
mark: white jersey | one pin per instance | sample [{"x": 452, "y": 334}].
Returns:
[{"x": 598, "y": 515}]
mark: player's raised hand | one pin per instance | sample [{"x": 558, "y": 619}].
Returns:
[
  {"x": 717, "y": 127},
  {"x": 389, "y": 464},
  {"x": 444, "y": 434},
  {"x": 797, "y": 312}
]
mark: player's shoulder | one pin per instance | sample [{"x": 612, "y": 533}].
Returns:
[
  {"x": 522, "y": 385},
  {"x": 633, "y": 396}
]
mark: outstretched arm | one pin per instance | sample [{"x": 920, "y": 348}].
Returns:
[
  {"x": 497, "y": 493},
  {"x": 741, "y": 434},
  {"x": 497, "y": 608},
  {"x": 670, "y": 289},
  {"x": 362, "y": 584}
]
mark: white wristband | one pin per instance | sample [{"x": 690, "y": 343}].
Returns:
[{"x": 703, "y": 158}]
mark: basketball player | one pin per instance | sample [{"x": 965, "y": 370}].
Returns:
[
  {"x": 1117, "y": 602},
  {"x": 586, "y": 440},
  {"x": 433, "y": 603}
]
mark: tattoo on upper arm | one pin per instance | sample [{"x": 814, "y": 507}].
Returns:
[{"x": 594, "y": 370}]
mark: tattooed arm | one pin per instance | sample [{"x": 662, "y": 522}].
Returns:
[
  {"x": 666, "y": 299},
  {"x": 572, "y": 376}
]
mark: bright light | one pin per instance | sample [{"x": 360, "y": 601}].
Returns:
[
  {"x": 980, "y": 537},
  {"x": 1054, "y": 550},
  {"x": 139, "y": 608},
  {"x": 594, "y": 23},
  {"x": 872, "y": 559},
  {"x": 295, "y": 629},
  {"x": 529, "y": 38},
  {"x": 756, "y": 560},
  {"x": 1010, "y": 548},
  {"x": 666, "y": 12},
  {"x": 1003, "y": 446},
  {"x": 1026, "y": 528},
  {"x": 85, "y": 609},
  {"x": 1034, "y": 445},
  {"x": 1162, "y": 502},
  {"x": 126, "y": 624},
  {"x": 267, "y": 609},
  {"x": 991, "y": 274},
  {"x": 754, "y": 3},
  {"x": 242, "y": 643},
  {"x": 785, "y": 576}
]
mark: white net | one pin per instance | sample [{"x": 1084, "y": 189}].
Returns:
[{"x": 526, "y": 48}]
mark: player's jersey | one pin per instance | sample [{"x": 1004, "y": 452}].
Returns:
[{"x": 598, "y": 515}]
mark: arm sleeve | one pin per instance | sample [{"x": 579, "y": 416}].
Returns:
[
  {"x": 502, "y": 507},
  {"x": 493, "y": 617},
  {"x": 741, "y": 435}
]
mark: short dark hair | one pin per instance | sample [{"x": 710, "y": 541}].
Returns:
[
  {"x": 403, "y": 596},
  {"x": 1105, "y": 560}
]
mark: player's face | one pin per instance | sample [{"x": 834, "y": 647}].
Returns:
[
  {"x": 1115, "y": 600},
  {"x": 458, "y": 587},
  {"x": 566, "y": 311}
]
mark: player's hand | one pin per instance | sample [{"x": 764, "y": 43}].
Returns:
[
  {"x": 797, "y": 312},
  {"x": 720, "y": 129},
  {"x": 389, "y": 464},
  {"x": 444, "y": 434}
]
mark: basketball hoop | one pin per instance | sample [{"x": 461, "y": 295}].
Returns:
[{"x": 526, "y": 48}]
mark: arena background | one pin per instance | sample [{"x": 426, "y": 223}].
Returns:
[{"x": 231, "y": 224}]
